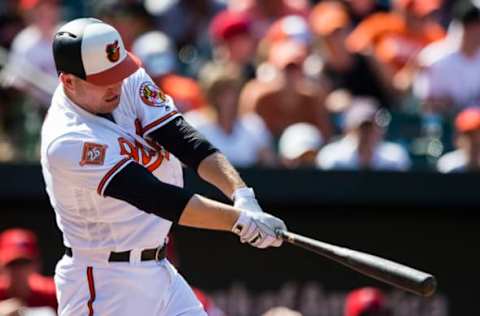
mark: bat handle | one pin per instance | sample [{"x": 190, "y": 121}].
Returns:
[
  {"x": 279, "y": 233},
  {"x": 282, "y": 234}
]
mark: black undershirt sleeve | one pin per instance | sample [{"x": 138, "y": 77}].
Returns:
[
  {"x": 136, "y": 185},
  {"x": 182, "y": 140}
]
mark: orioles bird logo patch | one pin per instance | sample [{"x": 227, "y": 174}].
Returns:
[
  {"x": 93, "y": 154},
  {"x": 113, "y": 52},
  {"x": 151, "y": 95}
]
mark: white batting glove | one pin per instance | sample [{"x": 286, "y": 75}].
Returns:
[
  {"x": 258, "y": 229},
  {"x": 244, "y": 198}
]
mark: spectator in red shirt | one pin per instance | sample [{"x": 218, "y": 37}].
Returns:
[{"x": 20, "y": 279}]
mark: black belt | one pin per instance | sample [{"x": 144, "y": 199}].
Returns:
[{"x": 124, "y": 256}]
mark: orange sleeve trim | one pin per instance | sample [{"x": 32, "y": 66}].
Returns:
[
  {"x": 155, "y": 123},
  {"x": 111, "y": 172},
  {"x": 91, "y": 288}
]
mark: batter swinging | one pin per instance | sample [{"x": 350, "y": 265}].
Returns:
[{"x": 112, "y": 143}]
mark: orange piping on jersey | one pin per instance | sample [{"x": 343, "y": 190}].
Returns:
[
  {"x": 91, "y": 288},
  {"x": 160, "y": 120},
  {"x": 114, "y": 169}
]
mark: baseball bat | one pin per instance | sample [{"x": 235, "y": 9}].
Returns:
[{"x": 390, "y": 272}]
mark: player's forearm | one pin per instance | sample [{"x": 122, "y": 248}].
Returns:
[
  {"x": 216, "y": 170},
  {"x": 201, "y": 212}
]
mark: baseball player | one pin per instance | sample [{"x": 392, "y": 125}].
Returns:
[{"x": 112, "y": 144}]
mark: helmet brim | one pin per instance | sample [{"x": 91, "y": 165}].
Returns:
[{"x": 128, "y": 66}]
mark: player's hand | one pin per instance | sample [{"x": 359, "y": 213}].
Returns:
[
  {"x": 244, "y": 198},
  {"x": 258, "y": 229}
]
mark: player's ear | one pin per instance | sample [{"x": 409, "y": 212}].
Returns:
[{"x": 67, "y": 81}]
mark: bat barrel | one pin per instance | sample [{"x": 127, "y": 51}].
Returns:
[
  {"x": 428, "y": 286},
  {"x": 390, "y": 272}
]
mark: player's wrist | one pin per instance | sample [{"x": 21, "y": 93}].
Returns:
[
  {"x": 242, "y": 222},
  {"x": 243, "y": 193},
  {"x": 244, "y": 198}
]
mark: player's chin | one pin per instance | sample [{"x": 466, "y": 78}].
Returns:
[{"x": 110, "y": 104}]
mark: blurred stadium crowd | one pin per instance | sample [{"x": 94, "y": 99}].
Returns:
[{"x": 334, "y": 84}]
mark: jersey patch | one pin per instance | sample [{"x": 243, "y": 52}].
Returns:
[
  {"x": 93, "y": 154},
  {"x": 151, "y": 95}
]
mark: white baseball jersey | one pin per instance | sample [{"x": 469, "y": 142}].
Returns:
[{"x": 81, "y": 152}]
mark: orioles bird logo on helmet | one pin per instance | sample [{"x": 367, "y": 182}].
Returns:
[{"x": 113, "y": 52}]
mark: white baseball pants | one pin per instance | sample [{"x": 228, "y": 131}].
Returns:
[{"x": 146, "y": 288}]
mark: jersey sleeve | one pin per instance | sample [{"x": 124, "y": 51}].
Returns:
[
  {"x": 186, "y": 143},
  {"x": 152, "y": 106},
  {"x": 87, "y": 164}
]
